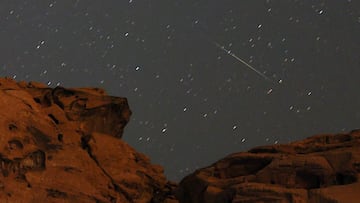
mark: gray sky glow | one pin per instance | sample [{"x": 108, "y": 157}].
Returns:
[{"x": 192, "y": 102}]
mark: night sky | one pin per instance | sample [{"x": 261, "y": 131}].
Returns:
[{"x": 179, "y": 64}]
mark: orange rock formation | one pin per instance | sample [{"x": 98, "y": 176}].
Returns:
[
  {"x": 319, "y": 169},
  {"x": 64, "y": 145}
]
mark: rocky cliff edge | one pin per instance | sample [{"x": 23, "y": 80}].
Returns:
[{"x": 63, "y": 145}]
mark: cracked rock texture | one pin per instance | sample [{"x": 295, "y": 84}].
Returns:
[
  {"x": 63, "y": 145},
  {"x": 319, "y": 169}
]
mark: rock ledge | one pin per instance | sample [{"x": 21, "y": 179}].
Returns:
[{"x": 322, "y": 168}]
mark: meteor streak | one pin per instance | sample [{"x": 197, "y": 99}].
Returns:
[{"x": 242, "y": 61}]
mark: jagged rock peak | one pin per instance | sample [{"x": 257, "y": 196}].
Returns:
[{"x": 90, "y": 107}]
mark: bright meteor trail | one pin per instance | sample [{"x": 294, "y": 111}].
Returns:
[{"x": 242, "y": 61}]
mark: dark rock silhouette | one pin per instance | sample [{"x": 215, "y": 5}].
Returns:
[{"x": 64, "y": 145}]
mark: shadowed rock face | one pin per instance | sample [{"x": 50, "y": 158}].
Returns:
[
  {"x": 95, "y": 111},
  {"x": 322, "y": 168},
  {"x": 63, "y": 145}
]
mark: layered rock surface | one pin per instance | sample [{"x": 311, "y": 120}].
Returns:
[
  {"x": 63, "y": 145},
  {"x": 322, "y": 168}
]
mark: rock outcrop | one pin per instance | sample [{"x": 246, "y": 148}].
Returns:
[
  {"x": 322, "y": 168},
  {"x": 63, "y": 145}
]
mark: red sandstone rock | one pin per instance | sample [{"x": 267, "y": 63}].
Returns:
[
  {"x": 323, "y": 168},
  {"x": 63, "y": 145}
]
